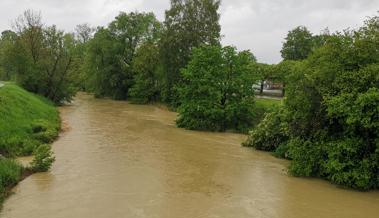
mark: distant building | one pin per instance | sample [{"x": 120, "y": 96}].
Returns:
[{"x": 272, "y": 85}]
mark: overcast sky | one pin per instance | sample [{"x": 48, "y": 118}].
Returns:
[{"x": 257, "y": 25}]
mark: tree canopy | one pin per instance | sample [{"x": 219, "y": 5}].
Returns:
[
  {"x": 113, "y": 49},
  {"x": 217, "y": 92},
  {"x": 188, "y": 24},
  {"x": 329, "y": 122},
  {"x": 39, "y": 57}
]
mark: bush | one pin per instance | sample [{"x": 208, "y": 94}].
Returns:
[
  {"x": 350, "y": 163},
  {"x": 282, "y": 151},
  {"x": 332, "y": 112},
  {"x": 307, "y": 156},
  {"x": 10, "y": 174},
  {"x": 43, "y": 159},
  {"x": 270, "y": 133}
]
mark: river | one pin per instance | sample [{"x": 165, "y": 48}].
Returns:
[{"x": 118, "y": 160}]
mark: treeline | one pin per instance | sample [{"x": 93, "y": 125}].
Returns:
[
  {"x": 40, "y": 58},
  {"x": 329, "y": 122},
  {"x": 136, "y": 57},
  {"x": 140, "y": 59}
]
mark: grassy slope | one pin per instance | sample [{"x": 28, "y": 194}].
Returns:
[{"x": 26, "y": 121}]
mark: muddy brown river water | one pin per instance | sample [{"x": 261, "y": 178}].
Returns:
[{"x": 119, "y": 160}]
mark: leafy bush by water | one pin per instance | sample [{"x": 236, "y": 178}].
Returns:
[
  {"x": 10, "y": 174},
  {"x": 43, "y": 158},
  {"x": 270, "y": 132},
  {"x": 332, "y": 112}
]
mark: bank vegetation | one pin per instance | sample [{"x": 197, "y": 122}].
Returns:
[{"x": 328, "y": 121}]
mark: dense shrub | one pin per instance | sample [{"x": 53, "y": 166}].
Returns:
[
  {"x": 43, "y": 159},
  {"x": 350, "y": 162},
  {"x": 332, "y": 112},
  {"x": 270, "y": 132},
  {"x": 307, "y": 156},
  {"x": 10, "y": 174},
  {"x": 216, "y": 93},
  {"x": 282, "y": 151}
]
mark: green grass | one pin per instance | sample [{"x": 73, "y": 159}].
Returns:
[
  {"x": 263, "y": 106},
  {"x": 10, "y": 175},
  {"x": 26, "y": 121},
  {"x": 267, "y": 104}
]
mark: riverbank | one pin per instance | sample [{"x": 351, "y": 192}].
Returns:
[
  {"x": 27, "y": 121},
  {"x": 125, "y": 160}
]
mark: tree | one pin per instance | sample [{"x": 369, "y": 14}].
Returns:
[
  {"x": 188, "y": 24},
  {"x": 113, "y": 49},
  {"x": 29, "y": 27},
  {"x": 80, "y": 43},
  {"x": 147, "y": 77},
  {"x": 41, "y": 58},
  {"x": 7, "y": 41},
  {"x": 330, "y": 117},
  {"x": 83, "y": 32},
  {"x": 298, "y": 44},
  {"x": 217, "y": 92}
]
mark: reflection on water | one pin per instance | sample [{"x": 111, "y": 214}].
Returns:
[{"x": 122, "y": 160}]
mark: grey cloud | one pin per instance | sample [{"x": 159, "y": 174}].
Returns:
[{"x": 258, "y": 25}]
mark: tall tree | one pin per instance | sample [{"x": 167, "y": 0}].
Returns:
[
  {"x": 7, "y": 42},
  {"x": 42, "y": 58},
  {"x": 113, "y": 50},
  {"x": 298, "y": 44},
  {"x": 83, "y": 32},
  {"x": 188, "y": 24},
  {"x": 81, "y": 38},
  {"x": 146, "y": 73}
]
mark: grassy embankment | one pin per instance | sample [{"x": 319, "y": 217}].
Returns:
[{"x": 27, "y": 121}]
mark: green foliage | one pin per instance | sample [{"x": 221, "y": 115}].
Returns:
[
  {"x": 43, "y": 158},
  {"x": 26, "y": 121},
  {"x": 270, "y": 132},
  {"x": 40, "y": 57},
  {"x": 263, "y": 106},
  {"x": 147, "y": 77},
  {"x": 351, "y": 162},
  {"x": 298, "y": 45},
  {"x": 112, "y": 51},
  {"x": 217, "y": 91},
  {"x": 308, "y": 157},
  {"x": 10, "y": 174},
  {"x": 282, "y": 151},
  {"x": 332, "y": 111},
  {"x": 78, "y": 45},
  {"x": 7, "y": 41},
  {"x": 188, "y": 25}
]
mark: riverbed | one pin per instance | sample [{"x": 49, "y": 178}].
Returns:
[{"x": 118, "y": 160}]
